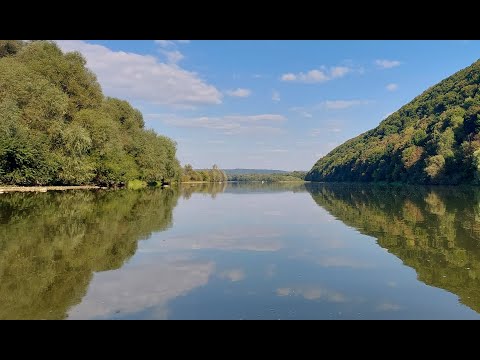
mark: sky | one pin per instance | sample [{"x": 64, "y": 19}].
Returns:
[{"x": 267, "y": 104}]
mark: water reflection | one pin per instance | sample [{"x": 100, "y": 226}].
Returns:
[
  {"x": 238, "y": 250},
  {"x": 146, "y": 289},
  {"x": 52, "y": 243},
  {"x": 211, "y": 189},
  {"x": 436, "y": 231}
]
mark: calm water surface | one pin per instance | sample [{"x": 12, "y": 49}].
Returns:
[{"x": 242, "y": 251}]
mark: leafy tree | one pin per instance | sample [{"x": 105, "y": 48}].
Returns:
[
  {"x": 10, "y": 47},
  {"x": 476, "y": 164},
  {"x": 435, "y": 166},
  {"x": 66, "y": 71},
  {"x": 56, "y": 127},
  {"x": 213, "y": 175}
]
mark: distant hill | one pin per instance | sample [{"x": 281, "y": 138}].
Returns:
[
  {"x": 434, "y": 139},
  {"x": 253, "y": 171}
]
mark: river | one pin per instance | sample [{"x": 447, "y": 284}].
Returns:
[{"x": 242, "y": 251}]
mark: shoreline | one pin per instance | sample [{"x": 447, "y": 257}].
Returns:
[{"x": 13, "y": 188}]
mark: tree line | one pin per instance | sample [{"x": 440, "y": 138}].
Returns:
[
  {"x": 215, "y": 174},
  {"x": 57, "y": 127},
  {"x": 291, "y": 176}
]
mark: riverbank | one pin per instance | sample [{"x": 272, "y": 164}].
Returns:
[{"x": 5, "y": 189}]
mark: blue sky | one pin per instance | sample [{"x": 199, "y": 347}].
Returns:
[{"x": 268, "y": 104}]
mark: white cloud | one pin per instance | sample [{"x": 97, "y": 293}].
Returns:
[
  {"x": 277, "y": 151},
  {"x": 301, "y": 111},
  {"x": 233, "y": 275},
  {"x": 228, "y": 124},
  {"x": 164, "y": 43},
  {"x": 392, "y": 87},
  {"x": 255, "y": 238},
  {"x": 239, "y": 92},
  {"x": 339, "y": 71},
  {"x": 387, "y": 64},
  {"x": 143, "y": 77},
  {"x": 333, "y": 127},
  {"x": 254, "y": 118},
  {"x": 275, "y": 96},
  {"x": 173, "y": 57},
  {"x": 313, "y": 293},
  {"x": 169, "y": 43},
  {"x": 288, "y": 77},
  {"x": 343, "y": 104},
  {"x": 145, "y": 286},
  {"x": 318, "y": 76},
  {"x": 216, "y": 141}
]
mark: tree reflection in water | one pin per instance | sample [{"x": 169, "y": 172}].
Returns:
[{"x": 434, "y": 230}]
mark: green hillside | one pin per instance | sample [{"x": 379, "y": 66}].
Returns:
[
  {"x": 57, "y": 127},
  {"x": 434, "y": 139}
]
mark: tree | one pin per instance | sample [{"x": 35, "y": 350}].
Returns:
[
  {"x": 476, "y": 164},
  {"x": 10, "y": 47},
  {"x": 435, "y": 166},
  {"x": 57, "y": 128},
  {"x": 66, "y": 71}
]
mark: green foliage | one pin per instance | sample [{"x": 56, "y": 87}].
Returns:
[
  {"x": 66, "y": 71},
  {"x": 122, "y": 112},
  {"x": 292, "y": 176},
  {"x": 476, "y": 165},
  {"x": 435, "y": 166},
  {"x": 136, "y": 184},
  {"x": 56, "y": 128},
  {"x": 253, "y": 171},
  {"x": 214, "y": 175},
  {"x": 10, "y": 47},
  {"x": 430, "y": 140}
]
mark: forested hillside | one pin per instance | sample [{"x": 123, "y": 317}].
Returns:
[
  {"x": 434, "y": 139},
  {"x": 57, "y": 127}
]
